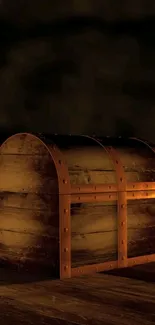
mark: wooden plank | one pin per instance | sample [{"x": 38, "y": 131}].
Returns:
[
  {"x": 29, "y": 237},
  {"x": 94, "y": 231},
  {"x": 23, "y": 144},
  {"x": 27, "y": 254},
  {"x": 98, "y": 217},
  {"x": 99, "y": 299},
  {"x": 92, "y": 177},
  {"x": 29, "y": 204},
  {"x": 87, "y": 158},
  {"x": 13, "y": 312},
  {"x": 92, "y": 165},
  {"x": 27, "y": 162},
  {"x": 28, "y": 220},
  {"x": 78, "y": 158},
  {"x": 106, "y": 177},
  {"x": 41, "y": 251},
  {"x": 27, "y": 174},
  {"x": 31, "y": 201}
]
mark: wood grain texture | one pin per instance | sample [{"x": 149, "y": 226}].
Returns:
[
  {"x": 94, "y": 231},
  {"x": 99, "y": 299},
  {"x": 94, "y": 226},
  {"x": 41, "y": 201},
  {"x": 92, "y": 165},
  {"x": 29, "y": 217},
  {"x": 27, "y": 173},
  {"x": 89, "y": 165}
]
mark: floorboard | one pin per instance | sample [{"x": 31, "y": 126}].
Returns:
[{"x": 98, "y": 299}]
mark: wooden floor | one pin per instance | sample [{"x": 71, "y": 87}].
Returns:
[
  {"x": 98, "y": 299},
  {"x": 144, "y": 272}
]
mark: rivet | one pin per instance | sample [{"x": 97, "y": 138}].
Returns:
[
  {"x": 66, "y": 249},
  {"x": 122, "y": 223},
  {"x": 65, "y": 229},
  {"x": 95, "y": 188},
  {"x": 121, "y": 179},
  {"x": 79, "y": 198},
  {"x": 65, "y": 210},
  {"x": 109, "y": 187},
  {"x": 95, "y": 197},
  {"x": 123, "y": 258},
  {"x": 109, "y": 196},
  {"x": 79, "y": 188},
  {"x": 66, "y": 267},
  {"x": 123, "y": 242},
  {"x": 64, "y": 181},
  {"x": 123, "y": 206},
  {"x": 133, "y": 186},
  {"x": 133, "y": 194}
]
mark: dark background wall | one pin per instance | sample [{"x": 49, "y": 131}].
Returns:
[{"x": 78, "y": 66}]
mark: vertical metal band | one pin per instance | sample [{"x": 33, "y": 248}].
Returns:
[
  {"x": 121, "y": 207},
  {"x": 64, "y": 212},
  {"x": 64, "y": 192},
  {"x": 121, "y": 202}
]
